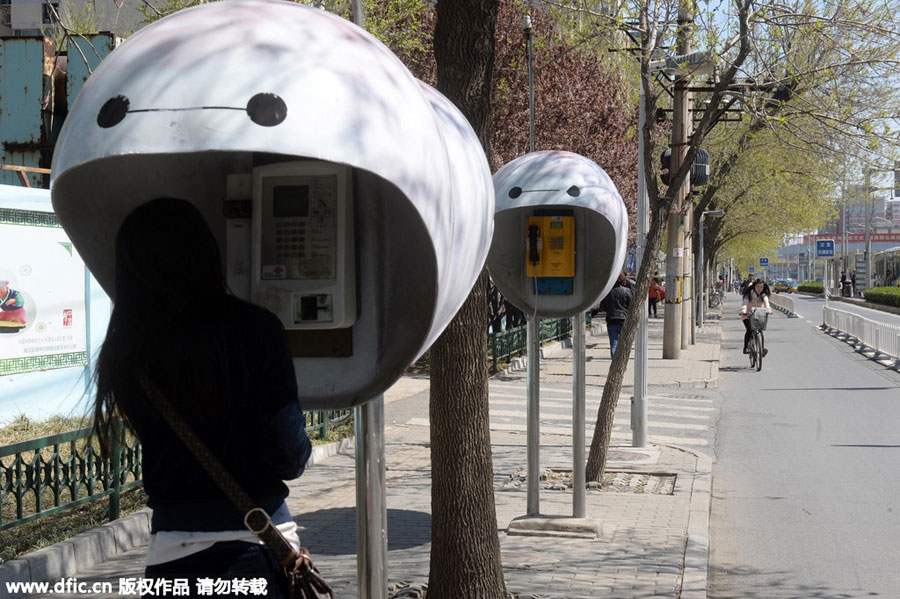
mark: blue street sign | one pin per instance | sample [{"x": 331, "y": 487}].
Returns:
[
  {"x": 763, "y": 261},
  {"x": 824, "y": 248},
  {"x": 752, "y": 269}
]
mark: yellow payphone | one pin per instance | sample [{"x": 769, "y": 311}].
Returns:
[{"x": 550, "y": 249}]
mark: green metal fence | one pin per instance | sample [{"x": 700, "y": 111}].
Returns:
[
  {"x": 44, "y": 476},
  {"x": 54, "y": 473},
  {"x": 506, "y": 345}
]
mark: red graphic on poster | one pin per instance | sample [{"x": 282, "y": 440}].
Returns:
[{"x": 67, "y": 318}]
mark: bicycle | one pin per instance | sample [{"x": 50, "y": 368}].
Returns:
[
  {"x": 715, "y": 298},
  {"x": 757, "y": 349}
]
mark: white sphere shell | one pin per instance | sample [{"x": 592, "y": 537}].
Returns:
[
  {"x": 188, "y": 79},
  {"x": 543, "y": 180}
]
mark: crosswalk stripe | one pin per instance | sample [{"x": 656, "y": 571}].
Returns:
[
  {"x": 594, "y": 406},
  {"x": 567, "y": 395},
  {"x": 568, "y": 418},
  {"x": 620, "y": 432}
]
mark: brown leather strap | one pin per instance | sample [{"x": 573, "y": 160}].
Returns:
[{"x": 256, "y": 519}]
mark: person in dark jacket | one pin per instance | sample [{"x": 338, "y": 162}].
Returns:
[
  {"x": 615, "y": 304},
  {"x": 226, "y": 367}
]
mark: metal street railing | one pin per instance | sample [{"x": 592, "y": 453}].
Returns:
[
  {"x": 882, "y": 338},
  {"x": 506, "y": 345},
  {"x": 783, "y": 304},
  {"x": 54, "y": 473},
  {"x": 44, "y": 476}
]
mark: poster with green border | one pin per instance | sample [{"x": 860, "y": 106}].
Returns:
[{"x": 42, "y": 289}]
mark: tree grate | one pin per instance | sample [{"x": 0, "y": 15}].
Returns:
[{"x": 616, "y": 481}]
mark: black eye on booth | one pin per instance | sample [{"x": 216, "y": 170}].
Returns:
[
  {"x": 574, "y": 191},
  {"x": 515, "y": 192},
  {"x": 113, "y": 111},
  {"x": 266, "y": 109}
]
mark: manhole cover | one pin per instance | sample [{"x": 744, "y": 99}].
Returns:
[{"x": 625, "y": 456}]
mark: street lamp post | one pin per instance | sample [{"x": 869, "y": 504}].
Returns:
[
  {"x": 529, "y": 35},
  {"x": 701, "y": 271}
]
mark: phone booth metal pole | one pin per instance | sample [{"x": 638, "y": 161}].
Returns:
[
  {"x": 641, "y": 341},
  {"x": 533, "y": 401},
  {"x": 371, "y": 507},
  {"x": 578, "y": 406}
]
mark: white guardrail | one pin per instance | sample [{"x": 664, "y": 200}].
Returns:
[
  {"x": 783, "y": 304},
  {"x": 883, "y": 338}
]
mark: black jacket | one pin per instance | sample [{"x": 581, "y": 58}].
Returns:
[
  {"x": 261, "y": 440},
  {"x": 616, "y": 303}
]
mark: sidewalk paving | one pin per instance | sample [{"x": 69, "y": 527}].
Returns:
[{"x": 652, "y": 545}]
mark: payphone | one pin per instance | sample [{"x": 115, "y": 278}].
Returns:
[
  {"x": 303, "y": 258},
  {"x": 560, "y": 233},
  {"x": 551, "y": 252},
  {"x": 332, "y": 179}
]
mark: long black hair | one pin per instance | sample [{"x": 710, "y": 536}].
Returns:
[
  {"x": 168, "y": 319},
  {"x": 752, "y": 287}
]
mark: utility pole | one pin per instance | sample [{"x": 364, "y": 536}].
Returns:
[
  {"x": 672, "y": 326},
  {"x": 869, "y": 210},
  {"x": 844, "y": 215},
  {"x": 687, "y": 309}
]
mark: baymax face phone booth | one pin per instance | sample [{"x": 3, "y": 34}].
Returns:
[
  {"x": 348, "y": 198},
  {"x": 560, "y": 233}
]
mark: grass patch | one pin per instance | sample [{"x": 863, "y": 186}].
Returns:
[{"x": 25, "y": 429}]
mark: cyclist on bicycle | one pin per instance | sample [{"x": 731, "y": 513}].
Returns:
[{"x": 755, "y": 296}]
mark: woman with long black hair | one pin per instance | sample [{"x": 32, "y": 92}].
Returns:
[
  {"x": 755, "y": 296},
  {"x": 225, "y": 367}
]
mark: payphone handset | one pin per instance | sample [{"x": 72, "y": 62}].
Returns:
[
  {"x": 550, "y": 249},
  {"x": 303, "y": 252}
]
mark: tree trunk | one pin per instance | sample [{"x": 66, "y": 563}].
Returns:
[
  {"x": 465, "y": 548},
  {"x": 596, "y": 463}
]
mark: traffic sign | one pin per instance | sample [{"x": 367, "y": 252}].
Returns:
[
  {"x": 763, "y": 261},
  {"x": 752, "y": 269},
  {"x": 824, "y": 248}
]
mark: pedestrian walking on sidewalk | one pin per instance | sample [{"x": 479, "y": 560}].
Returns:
[
  {"x": 178, "y": 342},
  {"x": 653, "y": 297},
  {"x": 615, "y": 304}
]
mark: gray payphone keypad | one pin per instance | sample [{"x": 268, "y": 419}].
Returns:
[{"x": 300, "y": 228}]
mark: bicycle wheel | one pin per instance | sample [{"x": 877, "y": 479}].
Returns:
[
  {"x": 751, "y": 345},
  {"x": 759, "y": 350}
]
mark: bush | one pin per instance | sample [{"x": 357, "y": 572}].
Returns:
[
  {"x": 889, "y": 296},
  {"x": 811, "y": 287}
]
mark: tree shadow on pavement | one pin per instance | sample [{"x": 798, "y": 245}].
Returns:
[{"x": 753, "y": 583}]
